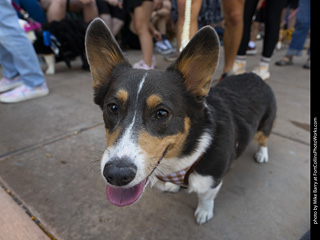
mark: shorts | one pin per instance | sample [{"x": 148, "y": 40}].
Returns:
[
  {"x": 106, "y": 8},
  {"x": 293, "y": 4},
  {"x": 130, "y": 5}
]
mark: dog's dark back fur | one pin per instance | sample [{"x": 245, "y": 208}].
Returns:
[{"x": 239, "y": 106}]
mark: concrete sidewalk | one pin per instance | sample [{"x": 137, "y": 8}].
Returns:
[{"x": 50, "y": 150}]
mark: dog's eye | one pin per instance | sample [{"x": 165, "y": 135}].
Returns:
[
  {"x": 112, "y": 109},
  {"x": 162, "y": 114}
]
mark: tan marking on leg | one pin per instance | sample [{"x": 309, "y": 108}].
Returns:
[
  {"x": 153, "y": 101},
  {"x": 111, "y": 137},
  {"x": 155, "y": 146},
  {"x": 261, "y": 138},
  {"x": 122, "y": 95}
]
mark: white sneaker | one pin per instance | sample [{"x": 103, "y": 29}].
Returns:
[
  {"x": 239, "y": 66},
  {"x": 262, "y": 70},
  {"x": 24, "y": 93},
  {"x": 8, "y": 84},
  {"x": 142, "y": 65}
]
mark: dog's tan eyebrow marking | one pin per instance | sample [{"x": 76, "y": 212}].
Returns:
[
  {"x": 122, "y": 95},
  {"x": 153, "y": 101}
]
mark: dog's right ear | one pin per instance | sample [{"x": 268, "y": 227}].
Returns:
[{"x": 103, "y": 53}]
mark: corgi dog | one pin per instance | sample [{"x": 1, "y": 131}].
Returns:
[{"x": 170, "y": 128}]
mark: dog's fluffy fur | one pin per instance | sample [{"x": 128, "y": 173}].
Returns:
[{"x": 160, "y": 122}]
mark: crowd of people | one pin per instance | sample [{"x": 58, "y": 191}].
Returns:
[{"x": 153, "y": 25}]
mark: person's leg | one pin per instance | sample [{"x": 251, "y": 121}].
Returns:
[
  {"x": 89, "y": 10},
  {"x": 239, "y": 63},
  {"x": 233, "y": 14},
  {"x": 118, "y": 19},
  {"x": 299, "y": 35},
  {"x": 141, "y": 18},
  {"x": 6, "y": 60},
  {"x": 195, "y": 9},
  {"x": 116, "y": 25},
  {"x": 104, "y": 12},
  {"x": 107, "y": 19},
  {"x": 249, "y": 10},
  {"x": 56, "y": 10},
  {"x": 272, "y": 26},
  {"x": 14, "y": 40},
  {"x": 11, "y": 76},
  {"x": 24, "y": 59},
  {"x": 301, "y": 31}
]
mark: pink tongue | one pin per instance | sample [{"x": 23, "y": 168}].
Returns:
[{"x": 125, "y": 196}]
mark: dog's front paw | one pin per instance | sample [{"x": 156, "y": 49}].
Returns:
[
  {"x": 203, "y": 215},
  {"x": 262, "y": 155},
  {"x": 171, "y": 187}
]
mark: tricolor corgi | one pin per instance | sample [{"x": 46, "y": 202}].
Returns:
[{"x": 170, "y": 128}]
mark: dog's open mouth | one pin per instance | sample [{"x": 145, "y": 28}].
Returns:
[
  {"x": 125, "y": 196},
  {"x": 122, "y": 197}
]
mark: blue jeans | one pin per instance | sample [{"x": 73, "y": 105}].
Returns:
[
  {"x": 17, "y": 55},
  {"x": 302, "y": 27}
]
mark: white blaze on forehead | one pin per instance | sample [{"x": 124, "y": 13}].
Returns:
[{"x": 127, "y": 144}]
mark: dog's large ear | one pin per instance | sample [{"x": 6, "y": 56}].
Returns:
[
  {"x": 103, "y": 53},
  {"x": 198, "y": 61}
]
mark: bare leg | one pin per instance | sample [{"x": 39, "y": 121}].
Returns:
[
  {"x": 116, "y": 25},
  {"x": 233, "y": 14},
  {"x": 56, "y": 10},
  {"x": 141, "y": 18},
  {"x": 90, "y": 11},
  {"x": 107, "y": 19}
]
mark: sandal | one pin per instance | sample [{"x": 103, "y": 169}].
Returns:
[{"x": 285, "y": 61}]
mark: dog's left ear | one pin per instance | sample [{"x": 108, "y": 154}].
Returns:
[
  {"x": 198, "y": 61},
  {"x": 103, "y": 54}
]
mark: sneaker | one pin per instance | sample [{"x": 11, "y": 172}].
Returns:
[
  {"x": 142, "y": 65},
  {"x": 8, "y": 84},
  {"x": 162, "y": 48},
  {"x": 226, "y": 74},
  {"x": 167, "y": 43},
  {"x": 262, "y": 71},
  {"x": 171, "y": 57},
  {"x": 239, "y": 66},
  {"x": 24, "y": 93},
  {"x": 171, "y": 49},
  {"x": 251, "y": 50},
  {"x": 285, "y": 61}
]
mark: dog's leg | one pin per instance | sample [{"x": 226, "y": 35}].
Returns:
[
  {"x": 202, "y": 185},
  {"x": 166, "y": 186},
  {"x": 50, "y": 61},
  {"x": 262, "y": 153}
]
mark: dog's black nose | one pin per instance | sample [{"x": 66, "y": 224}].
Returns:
[{"x": 119, "y": 172}]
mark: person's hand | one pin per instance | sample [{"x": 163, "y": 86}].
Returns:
[{"x": 157, "y": 35}]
